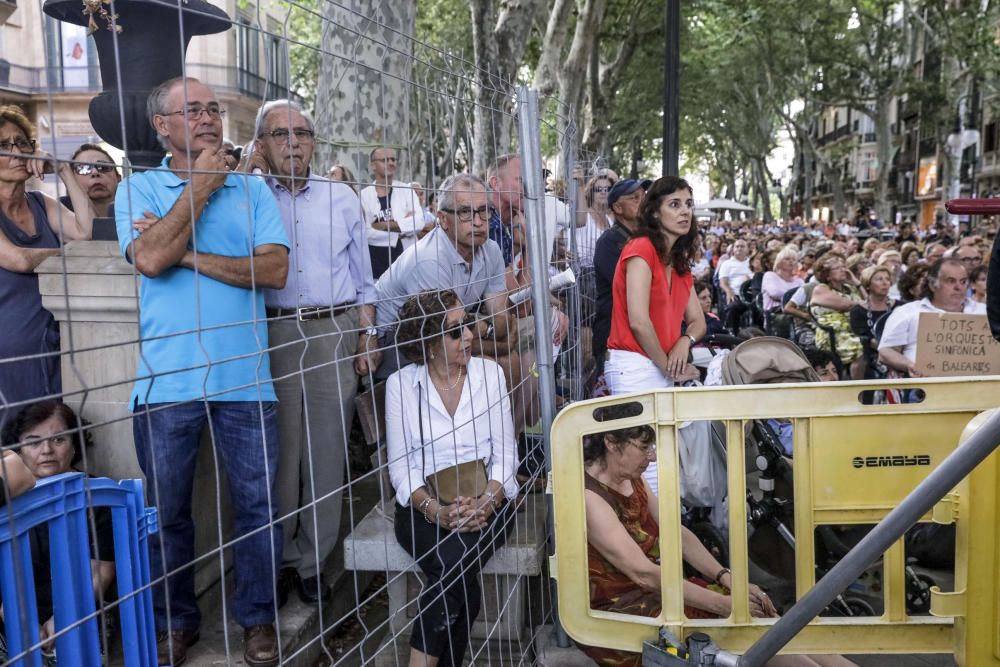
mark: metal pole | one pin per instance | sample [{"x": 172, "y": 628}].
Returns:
[
  {"x": 952, "y": 470},
  {"x": 671, "y": 87},
  {"x": 575, "y": 313},
  {"x": 534, "y": 222}
]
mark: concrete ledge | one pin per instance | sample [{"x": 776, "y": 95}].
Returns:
[{"x": 372, "y": 546}]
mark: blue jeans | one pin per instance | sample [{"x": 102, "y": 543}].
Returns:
[{"x": 245, "y": 436}]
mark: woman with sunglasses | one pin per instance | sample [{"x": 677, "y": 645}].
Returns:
[
  {"x": 452, "y": 463},
  {"x": 94, "y": 170},
  {"x": 33, "y": 226},
  {"x": 598, "y": 217}
]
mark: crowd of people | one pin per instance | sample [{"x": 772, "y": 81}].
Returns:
[{"x": 268, "y": 291}]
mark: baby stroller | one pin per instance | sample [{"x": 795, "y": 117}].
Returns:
[{"x": 769, "y": 360}]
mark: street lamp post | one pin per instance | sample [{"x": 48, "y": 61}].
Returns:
[
  {"x": 671, "y": 87},
  {"x": 638, "y": 163}
]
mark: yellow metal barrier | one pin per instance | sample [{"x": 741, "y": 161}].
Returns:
[{"x": 853, "y": 464}]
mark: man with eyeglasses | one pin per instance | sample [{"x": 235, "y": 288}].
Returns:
[
  {"x": 316, "y": 349},
  {"x": 945, "y": 291},
  {"x": 207, "y": 243},
  {"x": 96, "y": 173},
  {"x": 459, "y": 255},
  {"x": 392, "y": 211},
  {"x": 969, "y": 255}
]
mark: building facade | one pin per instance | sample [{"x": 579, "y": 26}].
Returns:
[{"x": 50, "y": 69}]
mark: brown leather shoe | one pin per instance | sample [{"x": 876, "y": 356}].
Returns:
[
  {"x": 172, "y": 647},
  {"x": 260, "y": 645}
]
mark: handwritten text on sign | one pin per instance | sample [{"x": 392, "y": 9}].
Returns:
[{"x": 956, "y": 344}]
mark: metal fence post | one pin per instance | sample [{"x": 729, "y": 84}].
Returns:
[{"x": 534, "y": 221}]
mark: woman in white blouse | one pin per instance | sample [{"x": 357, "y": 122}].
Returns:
[{"x": 445, "y": 409}]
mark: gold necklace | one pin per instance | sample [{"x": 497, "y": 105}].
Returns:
[{"x": 455, "y": 384}]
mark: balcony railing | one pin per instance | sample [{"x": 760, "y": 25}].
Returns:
[
  {"x": 32, "y": 80},
  {"x": 837, "y": 134},
  {"x": 38, "y": 80}
]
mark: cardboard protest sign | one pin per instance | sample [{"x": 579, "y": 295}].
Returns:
[{"x": 956, "y": 344}]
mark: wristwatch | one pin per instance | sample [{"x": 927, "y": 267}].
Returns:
[
  {"x": 371, "y": 332},
  {"x": 694, "y": 341}
]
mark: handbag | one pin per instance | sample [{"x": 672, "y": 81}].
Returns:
[{"x": 465, "y": 479}]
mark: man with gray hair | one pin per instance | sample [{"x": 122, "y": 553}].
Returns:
[
  {"x": 207, "y": 243},
  {"x": 313, "y": 327},
  {"x": 456, "y": 255}
]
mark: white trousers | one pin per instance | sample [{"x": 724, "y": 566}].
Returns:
[{"x": 626, "y": 372}]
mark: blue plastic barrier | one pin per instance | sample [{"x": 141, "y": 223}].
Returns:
[{"x": 62, "y": 502}]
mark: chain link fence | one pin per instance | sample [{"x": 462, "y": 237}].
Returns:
[{"x": 354, "y": 455}]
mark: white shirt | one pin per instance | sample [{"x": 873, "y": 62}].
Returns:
[
  {"x": 406, "y": 211},
  {"x": 586, "y": 240},
  {"x": 901, "y": 327},
  {"x": 701, "y": 268},
  {"x": 482, "y": 427},
  {"x": 738, "y": 272}
]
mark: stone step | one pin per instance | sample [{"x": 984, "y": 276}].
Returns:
[{"x": 372, "y": 544}]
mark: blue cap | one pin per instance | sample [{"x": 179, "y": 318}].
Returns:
[{"x": 624, "y": 187}]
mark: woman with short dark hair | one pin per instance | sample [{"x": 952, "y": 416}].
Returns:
[
  {"x": 48, "y": 437},
  {"x": 452, "y": 462},
  {"x": 977, "y": 283},
  {"x": 623, "y": 544}
]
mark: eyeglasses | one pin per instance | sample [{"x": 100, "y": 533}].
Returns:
[
  {"x": 646, "y": 447},
  {"x": 194, "y": 112},
  {"x": 455, "y": 332},
  {"x": 281, "y": 134},
  {"x": 975, "y": 259},
  {"x": 21, "y": 144},
  {"x": 88, "y": 169},
  {"x": 602, "y": 188},
  {"x": 54, "y": 441},
  {"x": 465, "y": 214}
]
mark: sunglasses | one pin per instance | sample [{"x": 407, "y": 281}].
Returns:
[
  {"x": 455, "y": 332},
  {"x": 88, "y": 169}
]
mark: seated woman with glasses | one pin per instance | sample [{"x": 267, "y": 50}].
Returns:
[
  {"x": 452, "y": 462},
  {"x": 33, "y": 226},
  {"x": 48, "y": 437},
  {"x": 623, "y": 544}
]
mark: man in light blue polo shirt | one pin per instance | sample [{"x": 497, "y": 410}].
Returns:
[{"x": 207, "y": 244}]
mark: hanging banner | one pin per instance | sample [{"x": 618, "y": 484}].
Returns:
[
  {"x": 74, "y": 57},
  {"x": 926, "y": 177}
]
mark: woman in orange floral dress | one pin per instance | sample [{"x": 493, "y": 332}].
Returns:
[{"x": 623, "y": 546}]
